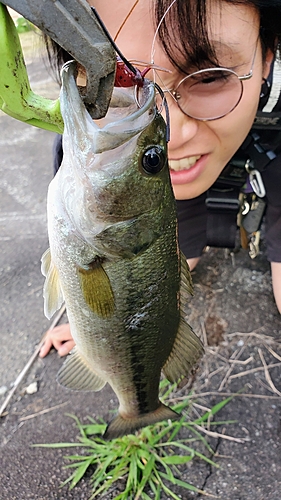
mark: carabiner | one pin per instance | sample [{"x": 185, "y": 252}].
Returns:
[{"x": 255, "y": 180}]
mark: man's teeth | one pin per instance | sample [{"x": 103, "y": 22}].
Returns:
[{"x": 184, "y": 163}]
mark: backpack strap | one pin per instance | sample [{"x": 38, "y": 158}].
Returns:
[
  {"x": 260, "y": 147},
  {"x": 223, "y": 203}
]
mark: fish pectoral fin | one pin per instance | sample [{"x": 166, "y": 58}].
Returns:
[
  {"x": 186, "y": 352},
  {"x": 46, "y": 261},
  {"x": 96, "y": 289},
  {"x": 52, "y": 293},
  {"x": 120, "y": 426},
  {"x": 76, "y": 374}
]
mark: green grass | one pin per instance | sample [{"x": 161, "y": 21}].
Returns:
[
  {"x": 23, "y": 25},
  {"x": 147, "y": 461}
]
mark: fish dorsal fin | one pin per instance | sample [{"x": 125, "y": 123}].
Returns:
[
  {"x": 77, "y": 375},
  {"x": 187, "y": 348},
  {"x": 96, "y": 288},
  {"x": 52, "y": 293}
]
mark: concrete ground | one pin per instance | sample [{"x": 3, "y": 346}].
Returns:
[{"x": 233, "y": 310}]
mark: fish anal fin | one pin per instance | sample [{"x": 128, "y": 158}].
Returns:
[
  {"x": 76, "y": 374},
  {"x": 186, "y": 280},
  {"x": 185, "y": 354},
  {"x": 52, "y": 293},
  {"x": 96, "y": 289},
  {"x": 187, "y": 348},
  {"x": 121, "y": 426}
]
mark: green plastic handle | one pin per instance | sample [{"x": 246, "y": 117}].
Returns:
[{"x": 16, "y": 97}]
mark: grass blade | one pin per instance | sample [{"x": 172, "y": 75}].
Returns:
[
  {"x": 148, "y": 459},
  {"x": 146, "y": 475},
  {"x": 215, "y": 409},
  {"x": 80, "y": 472}
]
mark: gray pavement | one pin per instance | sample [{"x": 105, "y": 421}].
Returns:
[{"x": 233, "y": 310}]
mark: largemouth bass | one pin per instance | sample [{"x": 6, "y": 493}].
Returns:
[{"x": 114, "y": 256}]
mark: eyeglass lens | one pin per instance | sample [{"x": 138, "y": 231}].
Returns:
[{"x": 209, "y": 94}]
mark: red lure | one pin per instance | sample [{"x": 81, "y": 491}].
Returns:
[
  {"x": 126, "y": 74},
  {"x": 125, "y": 77}
]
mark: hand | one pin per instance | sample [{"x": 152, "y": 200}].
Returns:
[
  {"x": 60, "y": 337},
  {"x": 193, "y": 262}
]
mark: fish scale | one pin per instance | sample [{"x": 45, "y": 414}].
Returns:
[{"x": 114, "y": 256}]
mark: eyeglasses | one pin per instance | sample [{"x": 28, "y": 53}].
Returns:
[{"x": 210, "y": 94}]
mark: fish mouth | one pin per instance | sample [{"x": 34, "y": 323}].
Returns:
[
  {"x": 116, "y": 128},
  {"x": 183, "y": 163}
]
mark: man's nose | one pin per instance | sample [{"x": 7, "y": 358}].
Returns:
[{"x": 182, "y": 127}]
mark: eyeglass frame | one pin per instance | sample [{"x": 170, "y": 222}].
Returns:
[{"x": 173, "y": 92}]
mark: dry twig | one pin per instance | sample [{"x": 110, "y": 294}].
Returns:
[
  {"x": 219, "y": 435},
  {"x": 274, "y": 354},
  {"x": 30, "y": 361},
  {"x": 253, "y": 370},
  {"x": 235, "y": 355},
  {"x": 266, "y": 373},
  {"x": 261, "y": 336},
  {"x": 42, "y": 412}
]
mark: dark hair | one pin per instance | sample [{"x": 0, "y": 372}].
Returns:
[
  {"x": 191, "y": 47},
  {"x": 188, "y": 19},
  {"x": 57, "y": 56}
]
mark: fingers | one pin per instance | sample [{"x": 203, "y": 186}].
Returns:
[
  {"x": 66, "y": 348},
  {"x": 46, "y": 347},
  {"x": 193, "y": 262},
  {"x": 60, "y": 338}
]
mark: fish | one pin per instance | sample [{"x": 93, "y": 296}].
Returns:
[{"x": 114, "y": 257}]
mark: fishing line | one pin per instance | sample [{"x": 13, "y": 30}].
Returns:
[
  {"x": 116, "y": 48},
  {"x": 131, "y": 67},
  {"x": 125, "y": 20}
]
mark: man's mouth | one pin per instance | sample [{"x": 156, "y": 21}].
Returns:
[{"x": 183, "y": 163}]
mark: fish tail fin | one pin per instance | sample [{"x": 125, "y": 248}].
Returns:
[{"x": 120, "y": 426}]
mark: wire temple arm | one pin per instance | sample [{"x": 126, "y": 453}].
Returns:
[{"x": 165, "y": 104}]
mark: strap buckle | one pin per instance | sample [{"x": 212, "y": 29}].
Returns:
[{"x": 226, "y": 201}]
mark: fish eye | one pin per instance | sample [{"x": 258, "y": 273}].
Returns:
[{"x": 153, "y": 160}]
